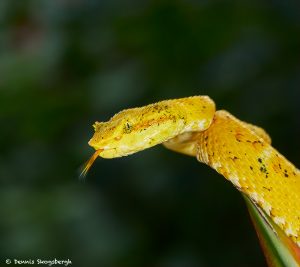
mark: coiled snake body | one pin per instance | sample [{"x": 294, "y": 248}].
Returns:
[{"x": 241, "y": 152}]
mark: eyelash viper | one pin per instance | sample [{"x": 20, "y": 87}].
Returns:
[{"x": 239, "y": 151}]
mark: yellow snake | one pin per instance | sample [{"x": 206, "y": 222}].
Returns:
[{"x": 241, "y": 152}]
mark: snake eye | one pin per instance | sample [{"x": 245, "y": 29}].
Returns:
[{"x": 127, "y": 127}]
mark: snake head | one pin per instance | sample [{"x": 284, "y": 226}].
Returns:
[
  {"x": 130, "y": 131},
  {"x": 136, "y": 129},
  {"x": 109, "y": 137}
]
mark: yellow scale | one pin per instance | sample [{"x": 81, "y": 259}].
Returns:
[{"x": 241, "y": 152}]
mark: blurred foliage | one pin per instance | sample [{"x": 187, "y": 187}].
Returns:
[{"x": 67, "y": 63}]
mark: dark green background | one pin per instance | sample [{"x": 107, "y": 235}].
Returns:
[{"x": 65, "y": 64}]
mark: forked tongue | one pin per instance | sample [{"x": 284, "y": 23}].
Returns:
[{"x": 89, "y": 163}]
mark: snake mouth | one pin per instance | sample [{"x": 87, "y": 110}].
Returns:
[{"x": 93, "y": 144}]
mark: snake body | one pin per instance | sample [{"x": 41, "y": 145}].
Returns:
[{"x": 239, "y": 151}]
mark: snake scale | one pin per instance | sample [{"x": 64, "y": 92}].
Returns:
[{"x": 239, "y": 151}]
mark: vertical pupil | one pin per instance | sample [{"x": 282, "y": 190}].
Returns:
[{"x": 127, "y": 128}]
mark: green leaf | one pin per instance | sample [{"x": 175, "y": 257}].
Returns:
[{"x": 279, "y": 250}]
